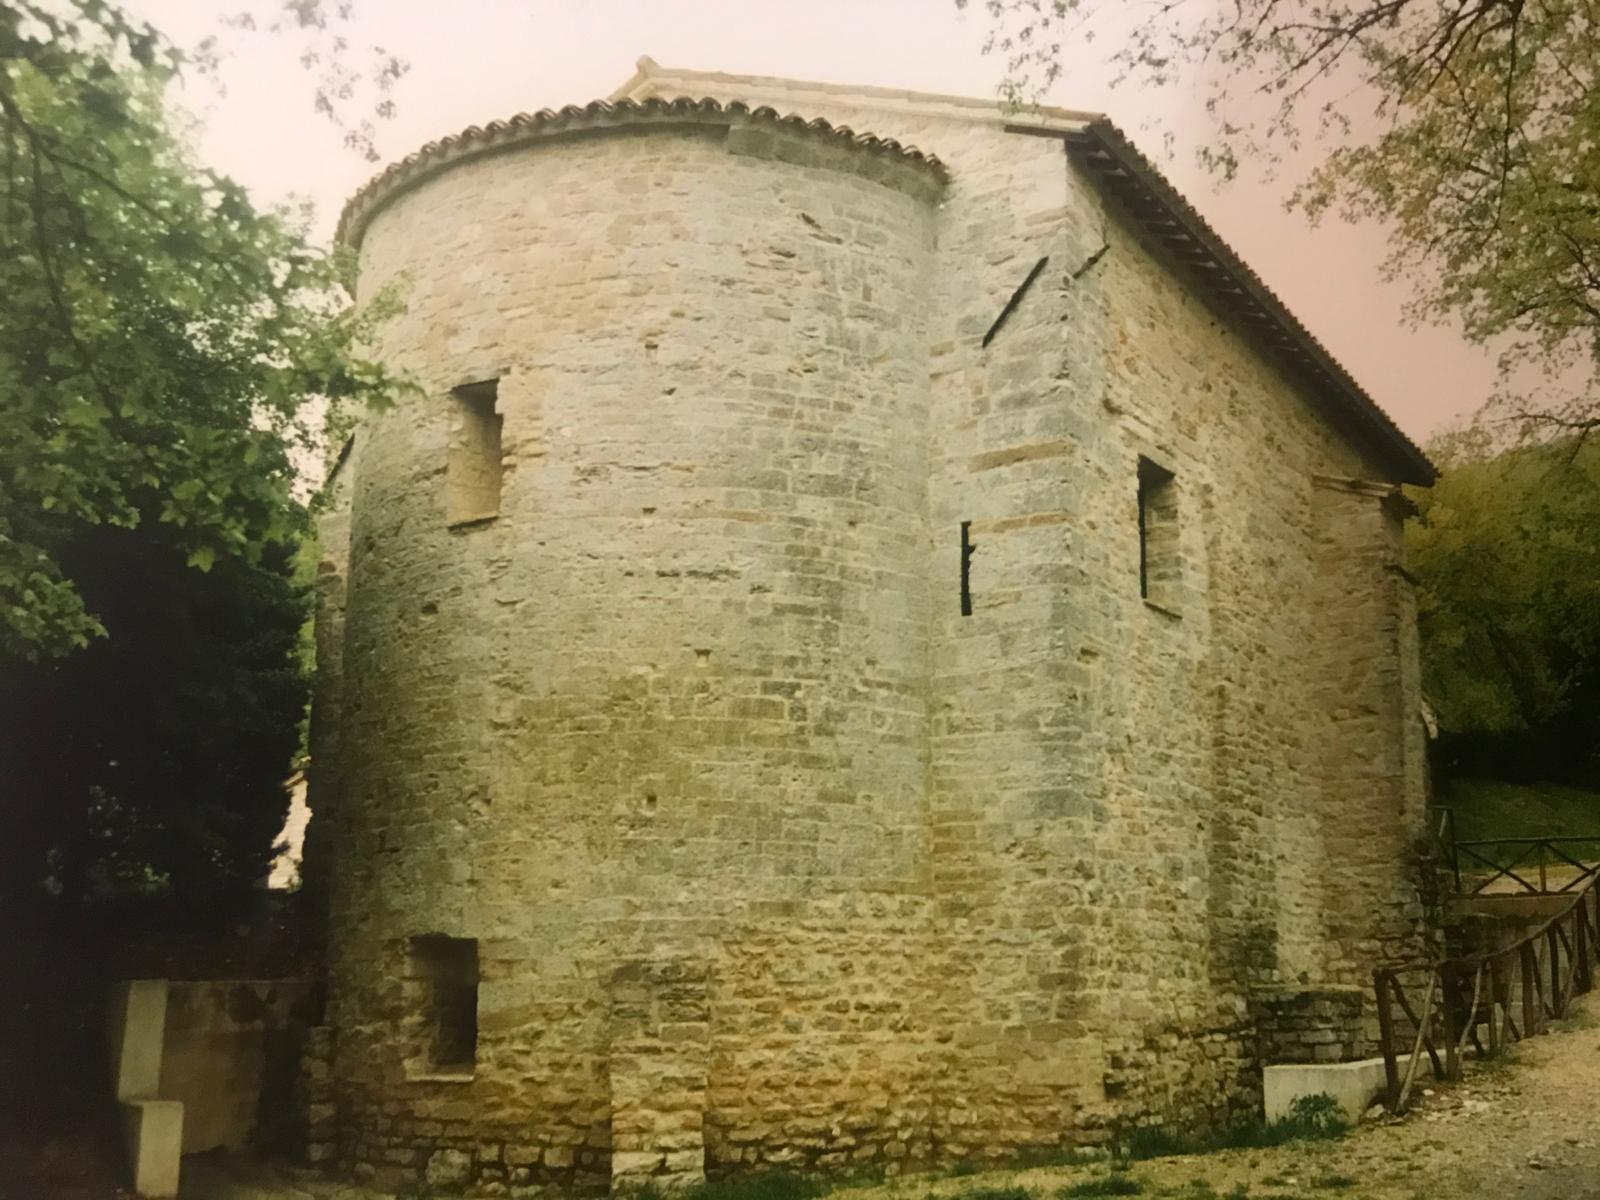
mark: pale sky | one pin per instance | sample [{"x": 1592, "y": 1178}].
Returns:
[{"x": 473, "y": 61}]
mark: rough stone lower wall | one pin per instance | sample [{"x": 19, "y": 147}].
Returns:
[
  {"x": 659, "y": 1053},
  {"x": 824, "y": 1037},
  {"x": 1306, "y": 1025},
  {"x": 773, "y": 856}
]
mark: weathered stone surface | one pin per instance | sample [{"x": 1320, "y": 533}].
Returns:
[
  {"x": 1299, "y": 1025},
  {"x": 448, "y": 1168},
  {"x": 772, "y": 856}
]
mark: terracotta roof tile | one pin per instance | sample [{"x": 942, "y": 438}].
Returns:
[
  {"x": 1169, "y": 218},
  {"x": 526, "y": 127}
]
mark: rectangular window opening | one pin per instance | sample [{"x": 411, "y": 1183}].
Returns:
[
  {"x": 447, "y": 969},
  {"x": 473, "y": 466},
  {"x": 1160, "y": 572}
]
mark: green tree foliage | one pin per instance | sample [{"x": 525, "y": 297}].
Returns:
[
  {"x": 1507, "y": 549},
  {"x": 160, "y": 335},
  {"x": 164, "y": 348},
  {"x": 1471, "y": 127},
  {"x": 156, "y": 755}
]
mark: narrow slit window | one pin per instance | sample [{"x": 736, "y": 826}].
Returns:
[
  {"x": 447, "y": 969},
  {"x": 473, "y": 468},
  {"x": 1159, "y": 563},
  {"x": 967, "y": 547}
]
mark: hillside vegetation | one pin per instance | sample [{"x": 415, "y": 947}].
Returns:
[{"x": 1489, "y": 808}]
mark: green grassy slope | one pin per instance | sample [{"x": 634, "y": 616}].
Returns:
[{"x": 1487, "y": 808}]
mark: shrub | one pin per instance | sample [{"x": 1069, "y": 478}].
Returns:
[
  {"x": 1311, "y": 1118},
  {"x": 998, "y": 1193},
  {"x": 1106, "y": 1185}
]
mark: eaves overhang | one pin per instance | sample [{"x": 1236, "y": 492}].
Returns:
[{"x": 1169, "y": 219}]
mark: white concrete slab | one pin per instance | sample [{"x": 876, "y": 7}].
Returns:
[
  {"x": 152, "y": 1133},
  {"x": 1355, "y": 1085},
  {"x": 136, "y": 1022}
]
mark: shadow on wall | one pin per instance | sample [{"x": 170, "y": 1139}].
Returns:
[
  {"x": 231, "y": 1053},
  {"x": 202, "y": 1065}
]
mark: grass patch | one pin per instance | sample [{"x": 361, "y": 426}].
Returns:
[
  {"x": 1201, "y": 1189},
  {"x": 998, "y": 1193},
  {"x": 1105, "y": 1185},
  {"x": 771, "y": 1185},
  {"x": 1487, "y": 808},
  {"x": 1312, "y": 1118},
  {"x": 1334, "y": 1182}
]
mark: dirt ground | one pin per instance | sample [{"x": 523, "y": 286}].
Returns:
[{"x": 1527, "y": 1128}]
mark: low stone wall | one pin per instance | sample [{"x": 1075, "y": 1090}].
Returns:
[
  {"x": 1309, "y": 1025},
  {"x": 231, "y": 1054}
]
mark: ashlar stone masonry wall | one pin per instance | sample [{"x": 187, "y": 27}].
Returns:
[{"x": 772, "y": 855}]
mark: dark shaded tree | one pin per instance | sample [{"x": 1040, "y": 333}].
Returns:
[
  {"x": 166, "y": 350},
  {"x": 1506, "y": 547},
  {"x": 155, "y": 758}
]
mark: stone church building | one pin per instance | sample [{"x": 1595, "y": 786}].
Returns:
[{"x": 854, "y": 655}]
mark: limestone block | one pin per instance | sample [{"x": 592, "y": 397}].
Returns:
[
  {"x": 152, "y": 1135},
  {"x": 225, "y": 1045},
  {"x": 635, "y": 1164},
  {"x": 448, "y": 1168},
  {"x": 136, "y": 1019}
]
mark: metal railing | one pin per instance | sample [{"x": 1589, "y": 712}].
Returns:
[{"x": 1478, "y": 864}]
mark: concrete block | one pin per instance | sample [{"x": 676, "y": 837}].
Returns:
[
  {"x": 152, "y": 1133},
  {"x": 136, "y": 1021},
  {"x": 1355, "y": 1085}
]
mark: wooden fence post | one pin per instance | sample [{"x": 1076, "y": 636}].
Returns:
[
  {"x": 1391, "y": 1065},
  {"x": 1554, "y": 939},
  {"x": 1450, "y": 995},
  {"x": 1580, "y": 937},
  {"x": 1495, "y": 982},
  {"x": 1530, "y": 982}
]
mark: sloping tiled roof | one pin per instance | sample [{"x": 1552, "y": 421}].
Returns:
[
  {"x": 1105, "y": 151},
  {"x": 1151, "y": 200},
  {"x": 1097, "y": 144},
  {"x": 600, "y": 114}
]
